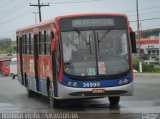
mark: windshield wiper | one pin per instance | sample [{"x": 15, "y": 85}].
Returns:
[
  {"x": 104, "y": 35},
  {"x": 82, "y": 36}
]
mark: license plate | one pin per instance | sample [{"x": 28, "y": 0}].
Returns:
[{"x": 98, "y": 91}]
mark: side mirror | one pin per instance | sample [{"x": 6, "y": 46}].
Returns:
[{"x": 133, "y": 42}]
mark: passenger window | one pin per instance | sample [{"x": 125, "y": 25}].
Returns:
[
  {"x": 41, "y": 42},
  {"x": 32, "y": 43},
  {"x": 48, "y": 42}
]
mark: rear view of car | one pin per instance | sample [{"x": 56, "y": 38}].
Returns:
[
  {"x": 13, "y": 68},
  {"x": 5, "y": 68}
]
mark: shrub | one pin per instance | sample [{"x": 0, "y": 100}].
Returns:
[
  {"x": 135, "y": 63},
  {"x": 145, "y": 67},
  {"x": 148, "y": 67}
]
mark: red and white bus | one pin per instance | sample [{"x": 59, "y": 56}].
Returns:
[{"x": 77, "y": 56}]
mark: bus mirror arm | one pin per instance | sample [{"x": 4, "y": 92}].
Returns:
[{"x": 133, "y": 42}]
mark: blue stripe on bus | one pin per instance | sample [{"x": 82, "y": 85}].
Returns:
[
  {"x": 97, "y": 83},
  {"x": 32, "y": 85},
  {"x": 42, "y": 85}
]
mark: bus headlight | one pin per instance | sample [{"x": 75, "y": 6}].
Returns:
[
  {"x": 69, "y": 83},
  {"x": 120, "y": 82},
  {"x": 125, "y": 81}
]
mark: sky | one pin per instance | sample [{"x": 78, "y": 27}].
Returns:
[{"x": 16, "y": 14}]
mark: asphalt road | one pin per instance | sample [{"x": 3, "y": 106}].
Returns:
[{"x": 145, "y": 102}]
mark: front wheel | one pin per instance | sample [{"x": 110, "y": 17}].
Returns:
[
  {"x": 54, "y": 103},
  {"x": 114, "y": 100}
]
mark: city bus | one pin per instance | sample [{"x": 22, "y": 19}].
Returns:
[{"x": 77, "y": 56}]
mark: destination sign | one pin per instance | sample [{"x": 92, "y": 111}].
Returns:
[{"x": 93, "y": 22}]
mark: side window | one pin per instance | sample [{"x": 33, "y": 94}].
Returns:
[
  {"x": 44, "y": 42},
  {"x": 32, "y": 43},
  {"x": 27, "y": 44},
  {"x": 29, "y": 35},
  {"x": 48, "y": 42},
  {"x": 45, "y": 38},
  {"x": 23, "y": 43},
  {"x": 41, "y": 42}
]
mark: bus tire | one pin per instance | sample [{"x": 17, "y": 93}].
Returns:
[
  {"x": 54, "y": 103},
  {"x": 30, "y": 93},
  {"x": 114, "y": 100}
]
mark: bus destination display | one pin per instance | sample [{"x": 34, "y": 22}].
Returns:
[{"x": 93, "y": 22}]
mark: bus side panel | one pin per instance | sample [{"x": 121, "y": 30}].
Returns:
[
  {"x": 29, "y": 72},
  {"x": 31, "y": 69},
  {"x": 44, "y": 73},
  {"x": 42, "y": 76}
]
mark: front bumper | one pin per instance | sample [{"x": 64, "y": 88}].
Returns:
[{"x": 65, "y": 92}]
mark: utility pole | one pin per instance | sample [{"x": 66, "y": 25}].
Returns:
[
  {"x": 35, "y": 13},
  {"x": 138, "y": 34},
  {"x": 39, "y": 5}
]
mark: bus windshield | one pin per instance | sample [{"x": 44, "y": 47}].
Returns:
[{"x": 95, "y": 52}]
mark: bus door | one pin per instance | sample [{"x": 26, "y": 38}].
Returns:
[
  {"x": 36, "y": 60},
  {"x": 21, "y": 49}
]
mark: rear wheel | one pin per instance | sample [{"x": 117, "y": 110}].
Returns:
[
  {"x": 54, "y": 103},
  {"x": 114, "y": 100}
]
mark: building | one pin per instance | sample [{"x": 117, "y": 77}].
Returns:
[{"x": 150, "y": 48}]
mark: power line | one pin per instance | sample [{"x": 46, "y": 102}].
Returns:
[
  {"x": 147, "y": 8},
  {"x": 147, "y": 19},
  {"x": 70, "y": 2},
  {"x": 13, "y": 8},
  {"x": 150, "y": 12},
  {"x": 142, "y": 14},
  {"x": 15, "y": 18},
  {"x": 9, "y": 2},
  {"x": 13, "y": 11},
  {"x": 39, "y": 5}
]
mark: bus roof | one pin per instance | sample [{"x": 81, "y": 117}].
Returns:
[
  {"x": 67, "y": 16},
  {"x": 36, "y": 25},
  {"x": 92, "y": 14}
]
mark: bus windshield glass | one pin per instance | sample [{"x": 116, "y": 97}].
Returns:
[{"x": 95, "y": 52}]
